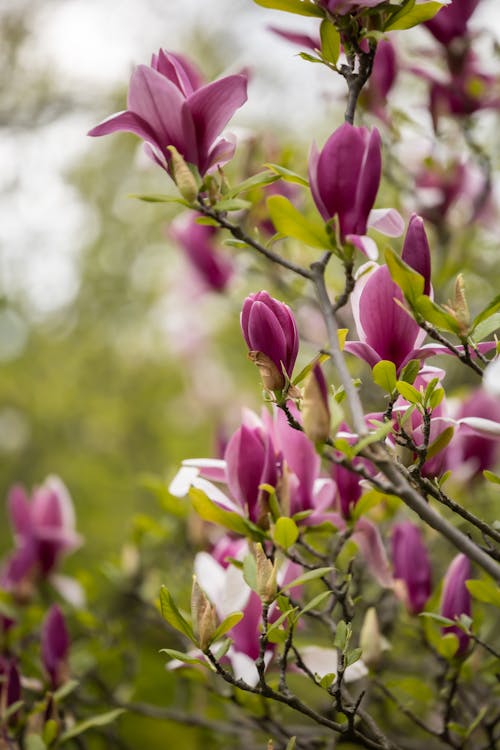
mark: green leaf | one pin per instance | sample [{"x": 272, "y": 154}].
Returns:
[
  {"x": 414, "y": 16},
  {"x": 330, "y": 41},
  {"x": 369, "y": 500},
  {"x": 327, "y": 680},
  {"x": 342, "y": 636},
  {"x": 300, "y": 7},
  {"x": 448, "y": 645},
  {"x": 291, "y": 743},
  {"x": 409, "y": 392},
  {"x": 10, "y": 711},
  {"x": 34, "y": 742},
  {"x": 486, "y": 327},
  {"x": 181, "y": 656},
  {"x": 432, "y": 400},
  {"x": 50, "y": 731},
  {"x": 285, "y": 532},
  {"x": 319, "y": 599},
  {"x": 65, "y": 690},
  {"x": 373, "y": 437},
  {"x": 171, "y": 614},
  {"x": 384, "y": 375},
  {"x": 160, "y": 198},
  {"x": 290, "y": 222},
  {"x": 410, "y": 371},
  {"x": 484, "y": 591},
  {"x": 94, "y": 721},
  {"x": 287, "y": 174},
  {"x": 229, "y": 622},
  {"x": 437, "y": 618},
  {"x": 257, "y": 180},
  {"x": 311, "y": 575},
  {"x": 224, "y": 648},
  {"x": 317, "y": 360},
  {"x": 250, "y": 571},
  {"x": 440, "y": 443},
  {"x": 210, "y": 511},
  {"x": 353, "y": 656},
  {"x": 206, "y": 221},
  {"x": 276, "y": 624},
  {"x": 435, "y": 315},
  {"x": 410, "y": 282},
  {"x": 488, "y": 311},
  {"x": 490, "y": 477},
  {"x": 232, "y": 204}
]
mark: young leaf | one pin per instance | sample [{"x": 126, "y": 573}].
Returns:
[
  {"x": 484, "y": 591},
  {"x": 290, "y": 222},
  {"x": 488, "y": 311},
  {"x": 232, "y": 204},
  {"x": 210, "y": 511},
  {"x": 353, "y": 656},
  {"x": 257, "y": 180},
  {"x": 384, "y": 375},
  {"x": 319, "y": 599},
  {"x": 410, "y": 282},
  {"x": 448, "y": 645},
  {"x": 413, "y": 16},
  {"x": 437, "y": 618},
  {"x": 311, "y": 575},
  {"x": 160, "y": 198},
  {"x": 181, "y": 656},
  {"x": 300, "y": 7},
  {"x": 229, "y": 622},
  {"x": 250, "y": 571},
  {"x": 171, "y": 614},
  {"x": 435, "y": 315},
  {"x": 94, "y": 721},
  {"x": 409, "y": 392},
  {"x": 410, "y": 371},
  {"x": 330, "y": 41},
  {"x": 285, "y": 532},
  {"x": 440, "y": 442},
  {"x": 291, "y": 743},
  {"x": 287, "y": 174},
  {"x": 486, "y": 327},
  {"x": 342, "y": 635},
  {"x": 490, "y": 477}
]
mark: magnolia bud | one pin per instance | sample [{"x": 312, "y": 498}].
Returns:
[
  {"x": 370, "y": 639},
  {"x": 183, "y": 177},
  {"x": 266, "y": 576},
  {"x": 315, "y": 409},
  {"x": 203, "y": 614}
]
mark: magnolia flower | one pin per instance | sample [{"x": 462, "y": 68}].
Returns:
[
  {"x": 472, "y": 449},
  {"x": 383, "y": 77},
  {"x": 197, "y": 240},
  {"x": 344, "y": 179},
  {"x": 455, "y": 599},
  {"x": 44, "y": 531},
  {"x": 270, "y": 332},
  {"x": 451, "y": 22},
  {"x": 411, "y": 565},
  {"x": 55, "y": 646},
  {"x": 169, "y": 106},
  {"x": 10, "y": 684}
]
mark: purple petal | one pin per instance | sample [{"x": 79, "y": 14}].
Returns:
[
  {"x": 411, "y": 564},
  {"x": 266, "y": 335},
  {"x": 313, "y": 183},
  {"x": 368, "y": 180},
  {"x": 19, "y": 510},
  {"x": 178, "y": 70},
  {"x": 364, "y": 243},
  {"x": 388, "y": 221},
  {"x": 302, "y": 459},
  {"x": 363, "y": 351},
  {"x": 367, "y": 537},
  {"x": 160, "y": 104},
  {"x": 54, "y": 643},
  {"x": 245, "y": 459},
  {"x": 416, "y": 251},
  {"x": 388, "y": 328},
  {"x": 212, "y": 107},
  {"x": 221, "y": 152},
  {"x": 127, "y": 122},
  {"x": 455, "y": 598},
  {"x": 302, "y": 40}
]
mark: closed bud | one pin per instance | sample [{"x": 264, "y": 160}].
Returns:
[
  {"x": 370, "y": 639},
  {"x": 183, "y": 177},
  {"x": 204, "y": 616},
  {"x": 315, "y": 409},
  {"x": 272, "y": 378},
  {"x": 266, "y": 576}
]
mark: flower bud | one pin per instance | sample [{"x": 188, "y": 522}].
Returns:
[
  {"x": 183, "y": 177},
  {"x": 266, "y": 576},
  {"x": 55, "y": 646},
  {"x": 455, "y": 599},
  {"x": 270, "y": 332},
  {"x": 411, "y": 565},
  {"x": 203, "y": 614},
  {"x": 315, "y": 409},
  {"x": 370, "y": 639}
]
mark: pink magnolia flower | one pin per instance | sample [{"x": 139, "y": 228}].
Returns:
[
  {"x": 455, "y": 599},
  {"x": 470, "y": 448},
  {"x": 383, "y": 77},
  {"x": 44, "y": 531},
  {"x": 55, "y": 646},
  {"x": 451, "y": 22},
  {"x": 169, "y": 106},
  {"x": 10, "y": 684},
  {"x": 250, "y": 462},
  {"x": 411, "y": 565},
  {"x": 269, "y": 329},
  {"x": 198, "y": 242},
  {"x": 385, "y": 329},
  {"x": 344, "y": 179}
]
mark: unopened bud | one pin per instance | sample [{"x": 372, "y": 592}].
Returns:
[
  {"x": 266, "y": 576},
  {"x": 459, "y": 307},
  {"x": 203, "y": 614},
  {"x": 315, "y": 410},
  {"x": 182, "y": 175},
  {"x": 370, "y": 639}
]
